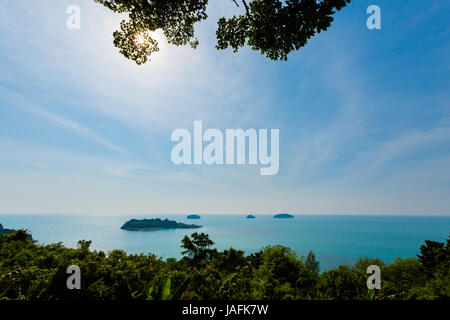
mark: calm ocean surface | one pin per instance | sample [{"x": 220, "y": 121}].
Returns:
[{"x": 334, "y": 239}]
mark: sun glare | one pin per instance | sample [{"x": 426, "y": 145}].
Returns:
[{"x": 141, "y": 38}]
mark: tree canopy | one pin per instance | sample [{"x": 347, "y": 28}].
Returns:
[
  {"x": 273, "y": 27},
  {"x": 31, "y": 271}
]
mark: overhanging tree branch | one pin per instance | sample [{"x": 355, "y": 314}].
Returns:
[{"x": 273, "y": 27}]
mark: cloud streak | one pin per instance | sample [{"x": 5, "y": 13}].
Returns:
[
  {"x": 75, "y": 127},
  {"x": 16, "y": 100}
]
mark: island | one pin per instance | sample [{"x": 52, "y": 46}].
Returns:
[
  {"x": 155, "y": 224},
  {"x": 5, "y": 231},
  {"x": 283, "y": 216},
  {"x": 193, "y": 216},
  {"x": 250, "y": 216}
]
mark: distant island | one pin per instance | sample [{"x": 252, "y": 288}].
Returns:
[
  {"x": 155, "y": 224},
  {"x": 8, "y": 231},
  {"x": 250, "y": 216},
  {"x": 5, "y": 231},
  {"x": 283, "y": 216},
  {"x": 193, "y": 216}
]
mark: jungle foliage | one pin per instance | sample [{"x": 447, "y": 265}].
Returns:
[{"x": 30, "y": 271}]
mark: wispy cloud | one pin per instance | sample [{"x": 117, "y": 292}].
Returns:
[
  {"x": 75, "y": 127},
  {"x": 23, "y": 158},
  {"x": 332, "y": 139},
  {"x": 17, "y": 101},
  {"x": 401, "y": 147}
]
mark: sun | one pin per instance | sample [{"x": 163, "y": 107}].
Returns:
[
  {"x": 141, "y": 38},
  {"x": 145, "y": 37}
]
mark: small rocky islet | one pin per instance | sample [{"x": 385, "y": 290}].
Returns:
[{"x": 283, "y": 216}]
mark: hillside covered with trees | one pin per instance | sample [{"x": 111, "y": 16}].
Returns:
[{"x": 38, "y": 272}]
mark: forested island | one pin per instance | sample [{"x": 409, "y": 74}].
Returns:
[
  {"x": 155, "y": 224},
  {"x": 193, "y": 216},
  {"x": 5, "y": 231},
  {"x": 30, "y": 271},
  {"x": 283, "y": 216},
  {"x": 250, "y": 216}
]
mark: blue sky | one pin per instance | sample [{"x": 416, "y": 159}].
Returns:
[{"x": 364, "y": 116}]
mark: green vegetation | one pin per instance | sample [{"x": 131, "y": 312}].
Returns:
[
  {"x": 8, "y": 231},
  {"x": 155, "y": 224},
  {"x": 273, "y": 27},
  {"x": 160, "y": 289},
  {"x": 5, "y": 231},
  {"x": 30, "y": 271},
  {"x": 283, "y": 216}
]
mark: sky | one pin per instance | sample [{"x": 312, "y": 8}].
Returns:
[{"x": 364, "y": 116}]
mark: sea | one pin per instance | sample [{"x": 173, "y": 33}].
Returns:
[{"x": 334, "y": 239}]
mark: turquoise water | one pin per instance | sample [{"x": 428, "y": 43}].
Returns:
[{"x": 334, "y": 239}]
